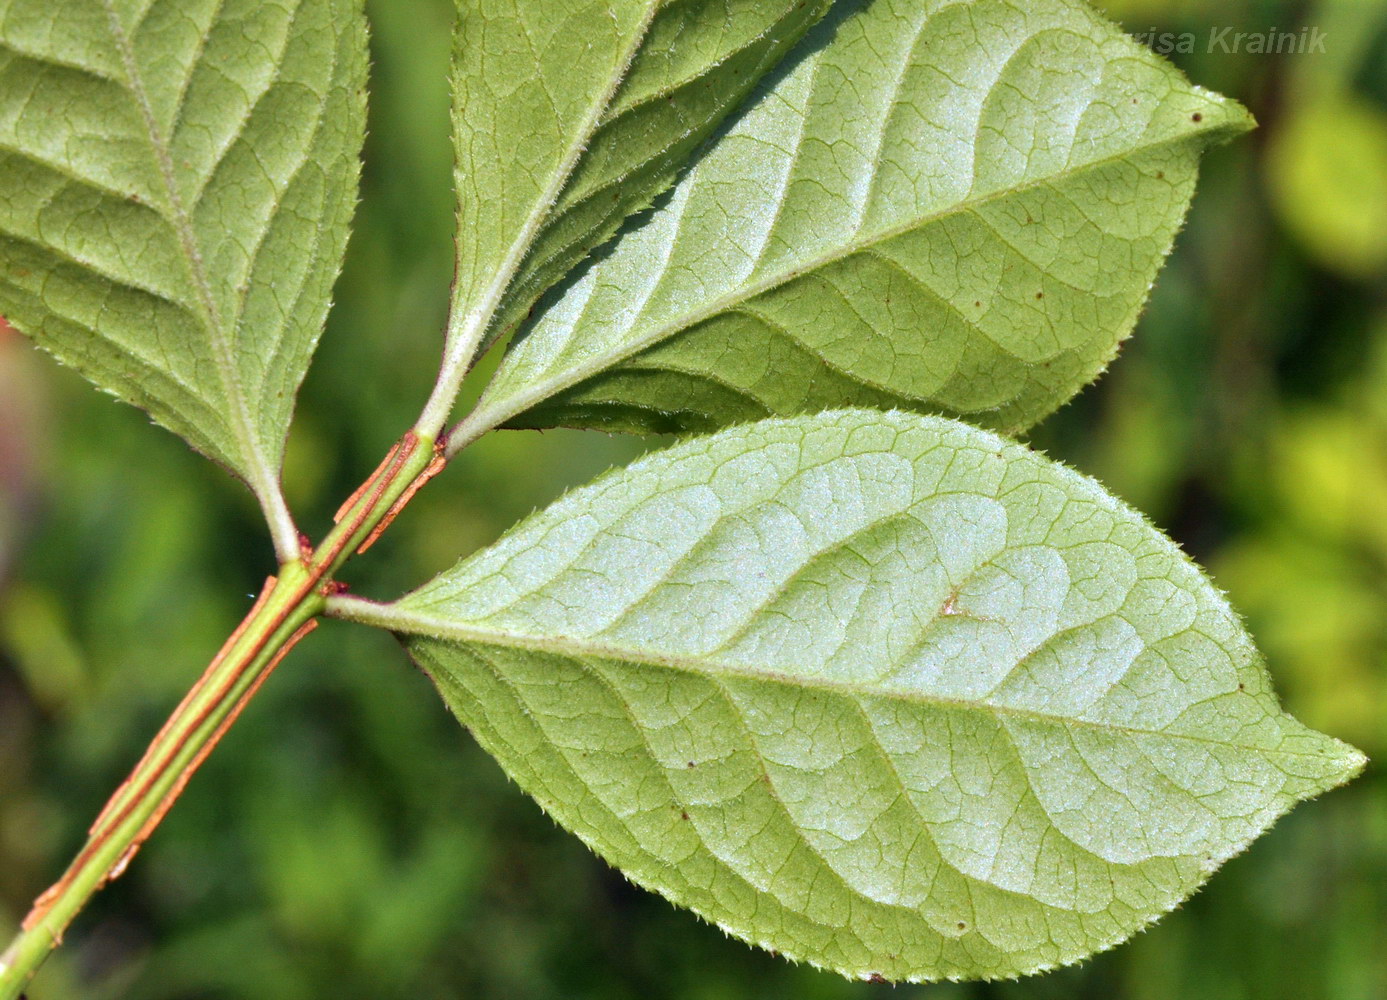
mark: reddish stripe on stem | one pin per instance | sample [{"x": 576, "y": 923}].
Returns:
[
  {"x": 193, "y": 693},
  {"x": 173, "y": 793}
]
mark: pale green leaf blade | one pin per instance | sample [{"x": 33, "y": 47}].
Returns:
[
  {"x": 944, "y": 206},
  {"x": 879, "y": 691},
  {"x": 176, "y": 182},
  {"x": 569, "y": 115}
]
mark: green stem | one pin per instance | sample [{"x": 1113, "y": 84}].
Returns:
[{"x": 286, "y": 611}]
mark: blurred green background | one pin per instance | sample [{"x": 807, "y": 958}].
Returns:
[{"x": 349, "y": 840}]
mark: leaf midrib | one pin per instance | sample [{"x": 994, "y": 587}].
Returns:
[
  {"x": 257, "y": 470},
  {"x": 465, "y": 332},
  {"x": 401, "y": 620},
  {"x": 491, "y": 413}
]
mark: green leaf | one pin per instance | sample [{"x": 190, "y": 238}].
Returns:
[
  {"x": 572, "y": 114},
  {"x": 943, "y": 206},
  {"x": 176, "y": 183},
  {"x": 879, "y": 691}
]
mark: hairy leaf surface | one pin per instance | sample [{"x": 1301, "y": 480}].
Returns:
[
  {"x": 569, "y": 115},
  {"x": 878, "y": 691},
  {"x": 176, "y": 182},
  {"x": 943, "y": 206}
]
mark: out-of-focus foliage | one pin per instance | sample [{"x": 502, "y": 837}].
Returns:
[
  {"x": 348, "y": 841},
  {"x": 17, "y": 418},
  {"x": 1328, "y": 158}
]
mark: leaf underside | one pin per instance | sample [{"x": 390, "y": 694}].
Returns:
[
  {"x": 878, "y": 691},
  {"x": 570, "y": 115},
  {"x": 176, "y": 182},
  {"x": 954, "y": 207}
]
